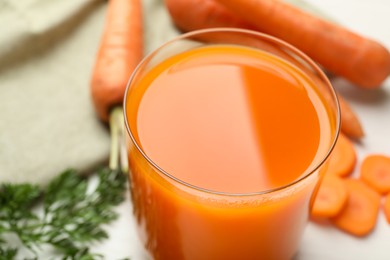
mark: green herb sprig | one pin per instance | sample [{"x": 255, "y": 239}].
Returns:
[{"x": 67, "y": 215}]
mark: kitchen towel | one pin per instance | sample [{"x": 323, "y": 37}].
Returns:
[{"x": 47, "y": 52}]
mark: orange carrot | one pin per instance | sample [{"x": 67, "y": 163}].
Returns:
[
  {"x": 350, "y": 124},
  {"x": 386, "y": 208},
  {"x": 210, "y": 14},
  {"x": 375, "y": 171},
  {"x": 119, "y": 53},
  {"x": 189, "y": 15},
  {"x": 359, "y": 216},
  {"x": 330, "y": 198},
  {"x": 362, "y": 61},
  {"x": 343, "y": 158}
]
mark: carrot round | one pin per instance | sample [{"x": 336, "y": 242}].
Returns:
[
  {"x": 210, "y": 14},
  {"x": 361, "y": 60},
  {"x": 343, "y": 158},
  {"x": 375, "y": 171},
  {"x": 386, "y": 208},
  {"x": 119, "y": 53},
  {"x": 330, "y": 198},
  {"x": 360, "y": 214}
]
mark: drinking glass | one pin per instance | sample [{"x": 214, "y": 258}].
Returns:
[{"x": 178, "y": 220}]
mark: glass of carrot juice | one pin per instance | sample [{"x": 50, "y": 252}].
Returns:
[{"x": 229, "y": 132}]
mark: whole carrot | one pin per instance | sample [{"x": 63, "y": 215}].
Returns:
[
  {"x": 202, "y": 14},
  {"x": 350, "y": 124},
  {"x": 210, "y": 14},
  {"x": 120, "y": 51},
  {"x": 362, "y": 61}
]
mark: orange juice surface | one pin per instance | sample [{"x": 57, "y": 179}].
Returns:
[{"x": 229, "y": 120}]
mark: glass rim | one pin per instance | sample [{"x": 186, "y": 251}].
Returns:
[{"x": 267, "y": 37}]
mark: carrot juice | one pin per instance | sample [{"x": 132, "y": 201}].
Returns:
[{"x": 224, "y": 143}]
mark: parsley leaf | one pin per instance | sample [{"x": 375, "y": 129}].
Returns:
[{"x": 67, "y": 215}]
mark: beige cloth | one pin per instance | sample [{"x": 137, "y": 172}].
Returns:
[{"x": 47, "y": 51}]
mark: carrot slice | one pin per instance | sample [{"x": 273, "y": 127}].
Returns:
[
  {"x": 386, "y": 208},
  {"x": 360, "y": 214},
  {"x": 343, "y": 158},
  {"x": 331, "y": 197},
  {"x": 375, "y": 171}
]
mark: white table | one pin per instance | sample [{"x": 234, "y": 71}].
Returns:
[{"x": 370, "y": 18}]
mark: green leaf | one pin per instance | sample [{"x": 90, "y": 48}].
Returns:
[
  {"x": 8, "y": 253},
  {"x": 71, "y": 218}
]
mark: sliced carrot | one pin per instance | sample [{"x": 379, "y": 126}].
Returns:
[
  {"x": 359, "y": 216},
  {"x": 386, "y": 208},
  {"x": 331, "y": 197},
  {"x": 375, "y": 171},
  {"x": 343, "y": 158}
]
